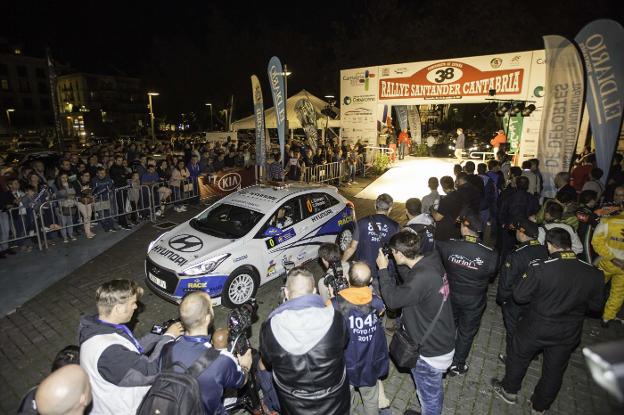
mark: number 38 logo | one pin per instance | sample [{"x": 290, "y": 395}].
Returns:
[{"x": 444, "y": 75}]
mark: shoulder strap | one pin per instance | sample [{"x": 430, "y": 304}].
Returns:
[
  {"x": 204, "y": 362},
  {"x": 433, "y": 322},
  {"x": 166, "y": 361}
]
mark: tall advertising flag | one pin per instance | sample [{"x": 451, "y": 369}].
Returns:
[
  {"x": 401, "y": 111},
  {"x": 563, "y": 107},
  {"x": 259, "y": 115},
  {"x": 276, "y": 80},
  {"x": 413, "y": 118},
  {"x": 602, "y": 45}
]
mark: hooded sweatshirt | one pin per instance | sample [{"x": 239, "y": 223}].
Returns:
[{"x": 119, "y": 369}]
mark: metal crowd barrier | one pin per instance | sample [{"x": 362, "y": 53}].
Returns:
[
  {"x": 66, "y": 216},
  {"x": 188, "y": 189},
  {"x": 323, "y": 173},
  {"x": 18, "y": 225}
]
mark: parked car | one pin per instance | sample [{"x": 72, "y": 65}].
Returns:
[{"x": 238, "y": 244}]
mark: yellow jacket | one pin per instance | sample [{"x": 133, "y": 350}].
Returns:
[{"x": 608, "y": 239}]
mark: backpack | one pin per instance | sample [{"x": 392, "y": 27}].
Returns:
[{"x": 174, "y": 392}]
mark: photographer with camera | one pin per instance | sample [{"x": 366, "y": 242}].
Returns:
[
  {"x": 334, "y": 279},
  {"x": 119, "y": 366},
  {"x": 371, "y": 233},
  {"x": 366, "y": 355},
  {"x": 222, "y": 370},
  {"x": 425, "y": 341},
  {"x": 303, "y": 343}
]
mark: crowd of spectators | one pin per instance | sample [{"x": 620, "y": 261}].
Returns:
[
  {"x": 102, "y": 187},
  {"x": 426, "y": 281}
]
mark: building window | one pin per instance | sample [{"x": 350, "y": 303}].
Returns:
[
  {"x": 44, "y": 103},
  {"x": 24, "y": 85},
  {"x": 21, "y": 71},
  {"x": 4, "y": 84},
  {"x": 3, "y": 69},
  {"x": 27, "y": 103},
  {"x": 40, "y": 72},
  {"x": 42, "y": 87}
]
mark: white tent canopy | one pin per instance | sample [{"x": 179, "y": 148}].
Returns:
[{"x": 249, "y": 123}]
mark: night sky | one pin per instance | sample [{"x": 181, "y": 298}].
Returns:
[{"x": 202, "y": 51}]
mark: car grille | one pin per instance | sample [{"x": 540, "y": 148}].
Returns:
[{"x": 169, "y": 277}]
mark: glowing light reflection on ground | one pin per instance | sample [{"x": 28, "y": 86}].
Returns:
[{"x": 408, "y": 178}]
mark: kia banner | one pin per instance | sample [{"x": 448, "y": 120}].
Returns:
[
  {"x": 276, "y": 80},
  {"x": 225, "y": 182},
  {"x": 563, "y": 107},
  {"x": 259, "y": 118},
  {"x": 602, "y": 45}
]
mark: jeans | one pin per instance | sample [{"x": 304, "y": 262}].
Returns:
[
  {"x": 5, "y": 228},
  {"x": 429, "y": 387},
  {"x": 402, "y": 150}
]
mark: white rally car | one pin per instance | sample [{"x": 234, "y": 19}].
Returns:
[{"x": 247, "y": 239}]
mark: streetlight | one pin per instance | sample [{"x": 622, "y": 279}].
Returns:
[
  {"x": 208, "y": 104},
  {"x": 8, "y": 113},
  {"x": 151, "y": 109}
]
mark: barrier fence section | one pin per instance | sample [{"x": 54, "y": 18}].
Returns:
[
  {"x": 324, "y": 173},
  {"x": 66, "y": 218},
  {"x": 18, "y": 226},
  {"x": 174, "y": 193}
]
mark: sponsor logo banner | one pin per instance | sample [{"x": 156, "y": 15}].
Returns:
[
  {"x": 224, "y": 183},
  {"x": 358, "y": 112},
  {"x": 602, "y": 45},
  {"x": 563, "y": 106},
  {"x": 276, "y": 80},
  {"x": 401, "y": 111},
  {"x": 259, "y": 118},
  {"x": 413, "y": 118},
  {"x": 452, "y": 79},
  {"x": 307, "y": 118}
]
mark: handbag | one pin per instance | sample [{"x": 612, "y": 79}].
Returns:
[{"x": 403, "y": 350}]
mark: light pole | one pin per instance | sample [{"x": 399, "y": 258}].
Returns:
[
  {"x": 8, "y": 113},
  {"x": 151, "y": 109},
  {"x": 285, "y": 74},
  {"x": 208, "y": 104}
]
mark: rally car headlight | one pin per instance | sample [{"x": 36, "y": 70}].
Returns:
[{"x": 205, "y": 267}]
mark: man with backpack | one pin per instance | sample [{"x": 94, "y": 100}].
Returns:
[{"x": 194, "y": 374}]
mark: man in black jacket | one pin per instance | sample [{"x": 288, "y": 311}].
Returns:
[
  {"x": 560, "y": 290},
  {"x": 511, "y": 272},
  {"x": 424, "y": 291},
  {"x": 117, "y": 173},
  {"x": 519, "y": 205},
  {"x": 469, "y": 264},
  {"x": 303, "y": 343}
]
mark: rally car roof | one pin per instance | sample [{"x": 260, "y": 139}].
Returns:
[{"x": 265, "y": 197}]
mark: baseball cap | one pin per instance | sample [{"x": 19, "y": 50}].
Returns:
[
  {"x": 471, "y": 221},
  {"x": 527, "y": 227}
]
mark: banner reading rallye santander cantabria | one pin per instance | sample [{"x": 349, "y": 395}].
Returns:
[
  {"x": 602, "y": 45},
  {"x": 276, "y": 80},
  {"x": 256, "y": 90}
]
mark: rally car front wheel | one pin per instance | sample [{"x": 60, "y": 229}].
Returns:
[{"x": 240, "y": 287}]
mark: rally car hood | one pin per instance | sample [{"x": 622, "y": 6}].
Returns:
[{"x": 185, "y": 246}]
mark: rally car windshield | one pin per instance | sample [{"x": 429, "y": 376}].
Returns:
[{"x": 227, "y": 221}]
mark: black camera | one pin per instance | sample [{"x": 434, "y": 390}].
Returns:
[
  {"x": 162, "y": 328},
  {"x": 385, "y": 248},
  {"x": 239, "y": 323},
  {"x": 336, "y": 279}
]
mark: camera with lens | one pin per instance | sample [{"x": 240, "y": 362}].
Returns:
[
  {"x": 239, "y": 323},
  {"x": 336, "y": 279},
  {"x": 385, "y": 248},
  {"x": 162, "y": 328}
]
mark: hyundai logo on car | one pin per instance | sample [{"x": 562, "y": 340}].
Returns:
[{"x": 186, "y": 243}]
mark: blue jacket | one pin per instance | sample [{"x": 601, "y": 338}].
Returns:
[
  {"x": 223, "y": 373},
  {"x": 366, "y": 355}
]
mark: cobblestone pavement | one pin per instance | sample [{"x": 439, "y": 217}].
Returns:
[{"x": 33, "y": 334}]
